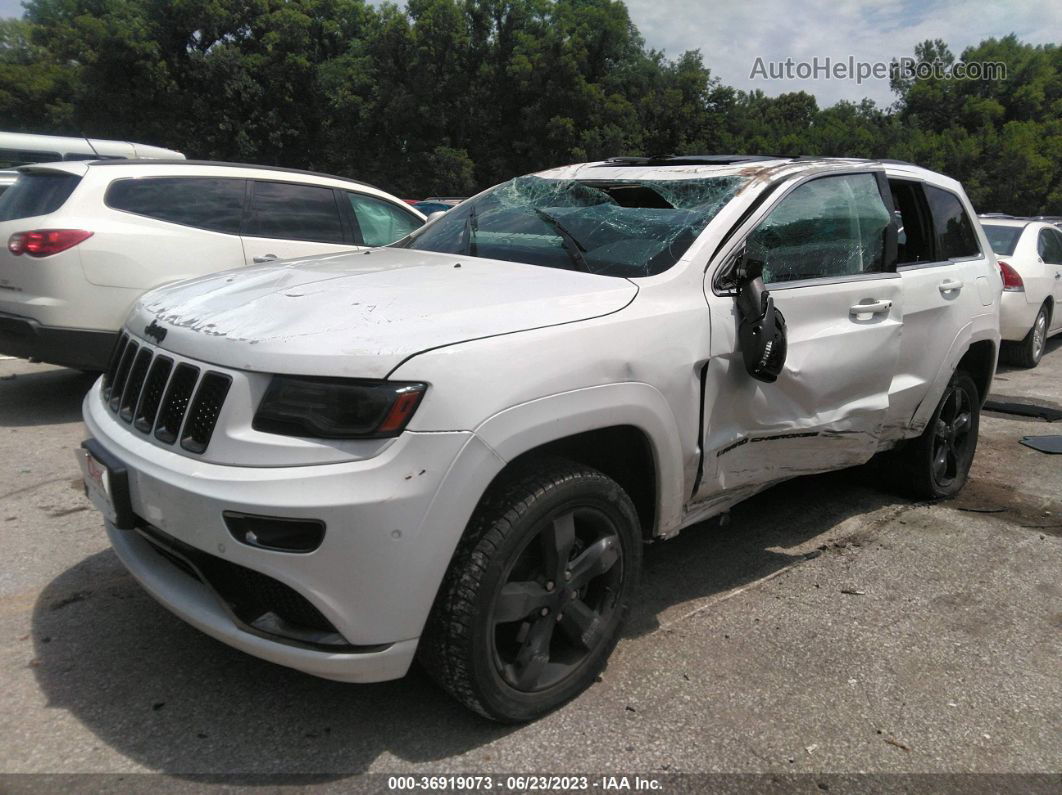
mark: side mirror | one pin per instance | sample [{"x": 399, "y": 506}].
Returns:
[
  {"x": 748, "y": 267},
  {"x": 761, "y": 327},
  {"x": 432, "y": 216}
]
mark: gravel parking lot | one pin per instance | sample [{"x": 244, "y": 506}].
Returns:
[{"x": 830, "y": 627}]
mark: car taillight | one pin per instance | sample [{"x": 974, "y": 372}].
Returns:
[
  {"x": 45, "y": 242},
  {"x": 1012, "y": 282}
]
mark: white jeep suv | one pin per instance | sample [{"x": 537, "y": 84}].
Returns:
[
  {"x": 454, "y": 447},
  {"x": 83, "y": 240}
]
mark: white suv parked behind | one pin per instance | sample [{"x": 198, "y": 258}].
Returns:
[
  {"x": 82, "y": 240},
  {"x": 454, "y": 447}
]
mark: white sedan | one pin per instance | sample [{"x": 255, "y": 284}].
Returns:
[{"x": 1030, "y": 259}]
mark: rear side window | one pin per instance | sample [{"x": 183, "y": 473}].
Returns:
[
  {"x": 295, "y": 212},
  {"x": 1002, "y": 239},
  {"x": 380, "y": 222},
  {"x": 914, "y": 230},
  {"x": 833, "y": 226},
  {"x": 36, "y": 194},
  {"x": 1049, "y": 246},
  {"x": 9, "y": 158},
  {"x": 214, "y": 204},
  {"x": 955, "y": 235}
]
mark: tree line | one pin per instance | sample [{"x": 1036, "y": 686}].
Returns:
[{"x": 451, "y": 96}]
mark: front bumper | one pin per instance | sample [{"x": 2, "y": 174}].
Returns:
[
  {"x": 392, "y": 523},
  {"x": 81, "y": 348},
  {"x": 196, "y": 604}
]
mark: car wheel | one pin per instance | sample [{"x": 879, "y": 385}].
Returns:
[
  {"x": 536, "y": 595},
  {"x": 937, "y": 463},
  {"x": 1028, "y": 352}
]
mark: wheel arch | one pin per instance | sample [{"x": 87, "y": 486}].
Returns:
[
  {"x": 979, "y": 361},
  {"x": 626, "y": 431}
]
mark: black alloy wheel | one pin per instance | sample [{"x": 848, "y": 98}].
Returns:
[{"x": 535, "y": 597}]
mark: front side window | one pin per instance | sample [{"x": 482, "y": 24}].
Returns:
[
  {"x": 610, "y": 227},
  {"x": 955, "y": 234},
  {"x": 380, "y": 222},
  {"x": 828, "y": 227},
  {"x": 214, "y": 204},
  {"x": 288, "y": 211},
  {"x": 1050, "y": 247},
  {"x": 36, "y": 194},
  {"x": 1002, "y": 239}
]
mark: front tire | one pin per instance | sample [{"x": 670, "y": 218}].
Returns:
[
  {"x": 537, "y": 592},
  {"x": 1030, "y": 350},
  {"x": 937, "y": 463}
]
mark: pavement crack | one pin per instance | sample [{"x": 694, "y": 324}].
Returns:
[{"x": 32, "y": 487}]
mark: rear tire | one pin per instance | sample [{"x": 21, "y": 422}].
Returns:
[
  {"x": 537, "y": 592},
  {"x": 1030, "y": 350},
  {"x": 937, "y": 463}
]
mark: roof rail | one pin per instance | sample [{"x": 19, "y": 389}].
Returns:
[
  {"x": 284, "y": 169},
  {"x": 725, "y": 160},
  {"x": 690, "y": 160}
]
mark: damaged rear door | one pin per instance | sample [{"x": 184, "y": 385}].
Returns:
[{"x": 828, "y": 248}]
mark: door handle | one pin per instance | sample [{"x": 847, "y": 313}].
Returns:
[
  {"x": 264, "y": 258},
  {"x": 1058, "y": 274},
  {"x": 871, "y": 308},
  {"x": 950, "y": 285}
]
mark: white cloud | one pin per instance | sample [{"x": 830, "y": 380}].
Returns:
[{"x": 731, "y": 35}]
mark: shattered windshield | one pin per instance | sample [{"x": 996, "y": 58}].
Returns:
[{"x": 610, "y": 227}]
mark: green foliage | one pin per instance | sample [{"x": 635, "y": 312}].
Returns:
[{"x": 450, "y": 96}]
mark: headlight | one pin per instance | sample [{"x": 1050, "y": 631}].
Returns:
[{"x": 337, "y": 408}]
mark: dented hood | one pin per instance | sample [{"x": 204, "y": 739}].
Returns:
[{"x": 361, "y": 313}]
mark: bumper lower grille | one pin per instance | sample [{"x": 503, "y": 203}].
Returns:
[
  {"x": 259, "y": 603},
  {"x": 147, "y": 391}
]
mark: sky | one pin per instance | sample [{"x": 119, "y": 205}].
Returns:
[{"x": 732, "y": 35}]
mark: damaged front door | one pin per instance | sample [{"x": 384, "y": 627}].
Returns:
[{"x": 828, "y": 249}]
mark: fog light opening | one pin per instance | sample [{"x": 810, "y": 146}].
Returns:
[{"x": 275, "y": 533}]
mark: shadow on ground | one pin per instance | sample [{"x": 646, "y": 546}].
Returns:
[
  {"x": 173, "y": 700},
  {"x": 48, "y": 396}
]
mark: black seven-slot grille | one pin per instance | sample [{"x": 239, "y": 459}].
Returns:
[{"x": 148, "y": 392}]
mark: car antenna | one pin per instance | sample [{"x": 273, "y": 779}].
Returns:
[{"x": 93, "y": 148}]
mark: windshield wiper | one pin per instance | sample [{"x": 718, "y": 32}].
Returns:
[
  {"x": 471, "y": 227},
  {"x": 574, "y": 248}
]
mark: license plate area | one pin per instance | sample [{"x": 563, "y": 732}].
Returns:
[{"x": 106, "y": 481}]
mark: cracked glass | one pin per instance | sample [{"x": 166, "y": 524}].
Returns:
[
  {"x": 833, "y": 226},
  {"x": 611, "y": 227}
]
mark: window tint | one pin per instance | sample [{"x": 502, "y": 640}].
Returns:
[
  {"x": 954, "y": 231},
  {"x": 1002, "y": 239},
  {"x": 36, "y": 194},
  {"x": 833, "y": 226},
  {"x": 381, "y": 223},
  {"x": 9, "y": 158},
  {"x": 203, "y": 202},
  {"x": 295, "y": 212},
  {"x": 1050, "y": 247}
]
